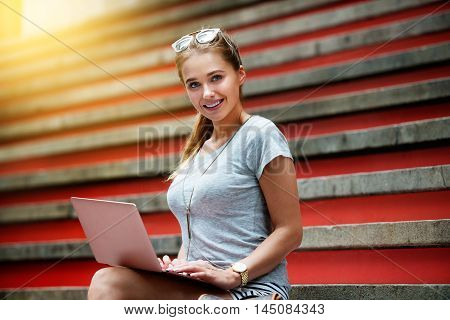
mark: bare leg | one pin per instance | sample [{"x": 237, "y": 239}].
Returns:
[{"x": 131, "y": 284}]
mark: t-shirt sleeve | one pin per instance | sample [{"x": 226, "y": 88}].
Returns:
[{"x": 267, "y": 143}]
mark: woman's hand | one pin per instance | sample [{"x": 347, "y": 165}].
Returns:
[
  {"x": 204, "y": 271},
  {"x": 167, "y": 264}
]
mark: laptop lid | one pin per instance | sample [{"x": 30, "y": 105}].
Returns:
[{"x": 116, "y": 233}]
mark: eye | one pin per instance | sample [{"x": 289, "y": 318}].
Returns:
[
  {"x": 193, "y": 85},
  {"x": 216, "y": 76}
]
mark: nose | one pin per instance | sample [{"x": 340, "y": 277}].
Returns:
[{"x": 207, "y": 92}]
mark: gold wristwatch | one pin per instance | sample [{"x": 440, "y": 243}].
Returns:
[{"x": 241, "y": 268}]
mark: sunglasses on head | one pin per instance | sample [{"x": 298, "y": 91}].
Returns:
[{"x": 202, "y": 36}]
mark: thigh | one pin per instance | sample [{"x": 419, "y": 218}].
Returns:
[{"x": 140, "y": 284}]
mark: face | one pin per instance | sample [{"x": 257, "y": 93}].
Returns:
[{"x": 213, "y": 85}]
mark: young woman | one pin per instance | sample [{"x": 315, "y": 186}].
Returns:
[{"x": 234, "y": 193}]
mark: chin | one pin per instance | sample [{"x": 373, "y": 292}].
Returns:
[{"x": 217, "y": 117}]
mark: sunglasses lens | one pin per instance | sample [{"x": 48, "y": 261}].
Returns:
[
  {"x": 206, "y": 35},
  {"x": 182, "y": 43},
  {"x": 203, "y": 36}
]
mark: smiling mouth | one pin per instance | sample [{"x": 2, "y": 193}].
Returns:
[{"x": 213, "y": 106}]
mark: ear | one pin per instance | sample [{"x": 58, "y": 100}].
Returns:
[{"x": 242, "y": 75}]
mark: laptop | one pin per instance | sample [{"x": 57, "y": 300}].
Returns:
[{"x": 116, "y": 234}]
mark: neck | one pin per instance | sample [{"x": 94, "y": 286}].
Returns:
[{"x": 224, "y": 129}]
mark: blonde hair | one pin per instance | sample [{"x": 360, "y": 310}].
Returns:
[{"x": 203, "y": 127}]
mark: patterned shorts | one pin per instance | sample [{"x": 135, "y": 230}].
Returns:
[{"x": 257, "y": 289}]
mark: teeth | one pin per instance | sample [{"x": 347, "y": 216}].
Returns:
[{"x": 214, "y": 104}]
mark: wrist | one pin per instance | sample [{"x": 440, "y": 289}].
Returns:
[
  {"x": 235, "y": 278},
  {"x": 242, "y": 270}
]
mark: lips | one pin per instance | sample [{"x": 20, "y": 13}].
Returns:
[{"x": 214, "y": 105}]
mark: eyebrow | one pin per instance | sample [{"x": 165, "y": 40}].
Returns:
[{"x": 209, "y": 73}]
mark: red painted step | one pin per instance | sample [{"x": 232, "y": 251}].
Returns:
[
  {"x": 157, "y": 224},
  {"x": 373, "y": 162},
  {"x": 324, "y": 8},
  {"x": 366, "y": 24},
  {"x": 401, "y": 266},
  {"x": 96, "y": 189},
  {"x": 415, "y": 206},
  {"x": 313, "y": 167},
  {"x": 320, "y": 61},
  {"x": 352, "y": 55},
  {"x": 318, "y": 126},
  {"x": 366, "y": 119},
  {"x": 398, "y": 207},
  {"x": 331, "y": 90}
]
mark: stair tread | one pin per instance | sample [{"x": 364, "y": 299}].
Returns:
[{"x": 298, "y": 292}]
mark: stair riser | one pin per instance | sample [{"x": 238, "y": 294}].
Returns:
[{"x": 428, "y": 265}]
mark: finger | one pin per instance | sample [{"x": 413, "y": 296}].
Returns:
[
  {"x": 165, "y": 267},
  {"x": 189, "y": 268},
  {"x": 199, "y": 275},
  {"x": 166, "y": 260},
  {"x": 161, "y": 263},
  {"x": 180, "y": 263},
  {"x": 175, "y": 263}
]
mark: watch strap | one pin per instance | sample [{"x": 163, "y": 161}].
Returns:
[
  {"x": 243, "y": 272},
  {"x": 244, "y": 278}
]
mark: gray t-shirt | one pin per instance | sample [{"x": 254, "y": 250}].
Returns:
[{"x": 229, "y": 215}]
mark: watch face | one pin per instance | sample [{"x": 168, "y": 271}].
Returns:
[{"x": 239, "y": 267}]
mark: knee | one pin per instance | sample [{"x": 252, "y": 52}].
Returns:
[{"x": 108, "y": 284}]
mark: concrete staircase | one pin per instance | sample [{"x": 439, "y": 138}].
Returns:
[{"x": 360, "y": 89}]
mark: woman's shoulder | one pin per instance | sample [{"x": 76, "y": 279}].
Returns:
[
  {"x": 264, "y": 142},
  {"x": 261, "y": 128},
  {"x": 260, "y": 121},
  {"x": 259, "y": 124}
]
